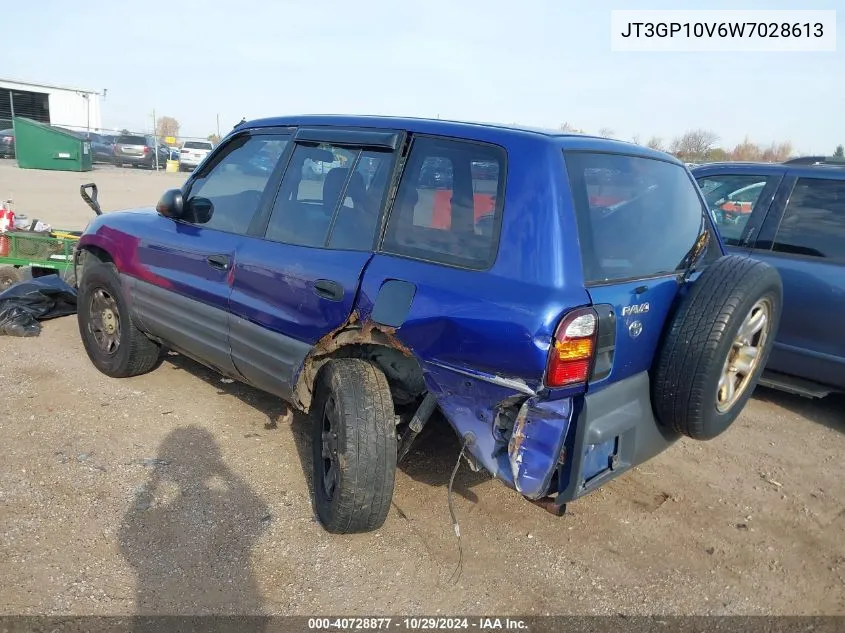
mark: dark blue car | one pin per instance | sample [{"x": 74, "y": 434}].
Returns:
[
  {"x": 791, "y": 216},
  {"x": 563, "y": 301}
]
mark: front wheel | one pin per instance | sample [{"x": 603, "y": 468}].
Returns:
[
  {"x": 113, "y": 343},
  {"x": 354, "y": 446}
]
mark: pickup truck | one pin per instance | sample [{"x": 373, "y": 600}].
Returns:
[{"x": 791, "y": 216}]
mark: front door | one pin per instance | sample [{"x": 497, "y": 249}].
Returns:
[
  {"x": 301, "y": 280},
  {"x": 190, "y": 262}
]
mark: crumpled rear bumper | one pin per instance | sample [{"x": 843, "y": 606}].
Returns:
[{"x": 567, "y": 447}]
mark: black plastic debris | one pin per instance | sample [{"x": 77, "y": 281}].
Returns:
[{"x": 24, "y": 304}]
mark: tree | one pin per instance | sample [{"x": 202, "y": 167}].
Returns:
[
  {"x": 606, "y": 132},
  {"x": 746, "y": 151},
  {"x": 635, "y": 139},
  {"x": 568, "y": 128},
  {"x": 655, "y": 142},
  {"x": 213, "y": 138},
  {"x": 840, "y": 151},
  {"x": 125, "y": 132},
  {"x": 694, "y": 145},
  {"x": 717, "y": 154},
  {"x": 167, "y": 126}
]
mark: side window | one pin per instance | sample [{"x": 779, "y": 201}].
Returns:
[
  {"x": 813, "y": 223},
  {"x": 233, "y": 186},
  {"x": 731, "y": 200},
  {"x": 448, "y": 204},
  {"x": 330, "y": 197}
]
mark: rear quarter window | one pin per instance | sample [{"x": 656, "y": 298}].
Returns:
[
  {"x": 131, "y": 140},
  {"x": 449, "y": 203},
  {"x": 637, "y": 217}
]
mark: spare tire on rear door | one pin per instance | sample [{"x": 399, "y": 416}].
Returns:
[{"x": 716, "y": 346}]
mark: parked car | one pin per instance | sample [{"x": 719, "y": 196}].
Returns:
[
  {"x": 791, "y": 216},
  {"x": 137, "y": 150},
  {"x": 7, "y": 143},
  {"x": 193, "y": 153},
  {"x": 102, "y": 147},
  {"x": 564, "y": 342}
]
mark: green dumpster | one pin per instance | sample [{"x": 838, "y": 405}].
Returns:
[{"x": 40, "y": 146}]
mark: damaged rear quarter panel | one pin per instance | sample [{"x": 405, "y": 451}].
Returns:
[
  {"x": 482, "y": 340},
  {"x": 482, "y": 337}
]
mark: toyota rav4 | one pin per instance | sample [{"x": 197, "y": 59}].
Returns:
[{"x": 563, "y": 301}]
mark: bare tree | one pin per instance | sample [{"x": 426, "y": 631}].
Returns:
[
  {"x": 570, "y": 129},
  {"x": 840, "y": 151},
  {"x": 606, "y": 132},
  {"x": 655, "y": 142},
  {"x": 694, "y": 145},
  {"x": 213, "y": 138},
  {"x": 635, "y": 139},
  {"x": 167, "y": 126}
]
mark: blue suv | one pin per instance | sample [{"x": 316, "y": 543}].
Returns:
[
  {"x": 791, "y": 216},
  {"x": 563, "y": 301}
]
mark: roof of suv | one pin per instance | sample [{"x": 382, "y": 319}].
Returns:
[
  {"x": 463, "y": 129},
  {"x": 830, "y": 171}
]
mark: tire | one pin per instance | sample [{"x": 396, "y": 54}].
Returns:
[
  {"x": 126, "y": 351},
  {"x": 9, "y": 275},
  {"x": 353, "y": 403},
  {"x": 693, "y": 369}
]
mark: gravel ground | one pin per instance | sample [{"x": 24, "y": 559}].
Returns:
[{"x": 178, "y": 492}]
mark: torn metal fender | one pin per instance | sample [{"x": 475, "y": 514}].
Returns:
[{"x": 527, "y": 457}]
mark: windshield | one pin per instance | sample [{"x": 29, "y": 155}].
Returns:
[
  {"x": 637, "y": 217},
  {"x": 196, "y": 145}
]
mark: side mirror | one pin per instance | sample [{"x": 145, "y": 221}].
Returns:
[{"x": 171, "y": 204}]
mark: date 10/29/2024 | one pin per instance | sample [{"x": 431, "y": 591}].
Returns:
[{"x": 418, "y": 624}]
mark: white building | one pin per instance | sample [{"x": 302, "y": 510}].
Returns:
[{"x": 56, "y": 105}]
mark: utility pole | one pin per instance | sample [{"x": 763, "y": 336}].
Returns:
[
  {"x": 218, "y": 127},
  {"x": 155, "y": 138}
]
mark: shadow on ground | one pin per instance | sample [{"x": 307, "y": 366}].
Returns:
[
  {"x": 430, "y": 461},
  {"x": 829, "y": 411},
  {"x": 190, "y": 531}
]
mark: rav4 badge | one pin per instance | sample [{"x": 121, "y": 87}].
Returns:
[{"x": 635, "y": 309}]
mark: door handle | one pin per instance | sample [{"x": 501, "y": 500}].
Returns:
[
  {"x": 328, "y": 289},
  {"x": 220, "y": 262}
]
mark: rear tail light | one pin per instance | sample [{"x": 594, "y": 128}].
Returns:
[
  {"x": 573, "y": 350},
  {"x": 146, "y": 150}
]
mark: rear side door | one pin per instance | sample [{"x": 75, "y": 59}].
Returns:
[
  {"x": 299, "y": 280},
  {"x": 190, "y": 262},
  {"x": 804, "y": 238}
]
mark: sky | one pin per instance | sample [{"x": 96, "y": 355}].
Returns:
[{"x": 534, "y": 62}]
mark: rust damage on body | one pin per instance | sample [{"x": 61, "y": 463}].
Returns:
[{"x": 363, "y": 337}]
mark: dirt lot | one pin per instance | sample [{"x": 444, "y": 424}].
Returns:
[{"x": 173, "y": 492}]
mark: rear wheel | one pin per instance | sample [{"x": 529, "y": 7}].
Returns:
[
  {"x": 354, "y": 446},
  {"x": 113, "y": 343},
  {"x": 717, "y": 346}
]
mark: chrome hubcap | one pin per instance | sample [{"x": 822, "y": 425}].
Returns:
[
  {"x": 744, "y": 356},
  {"x": 104, "y": 324}
]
